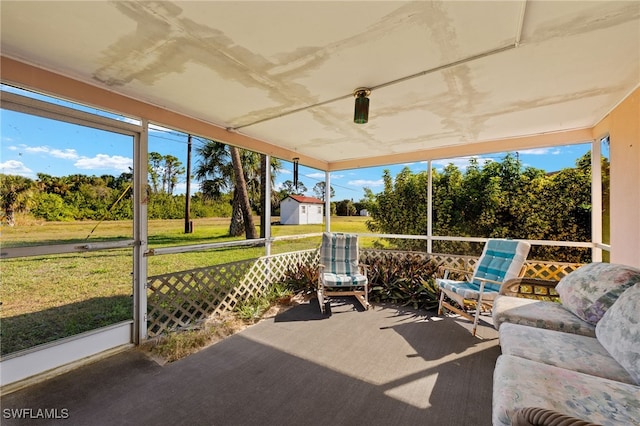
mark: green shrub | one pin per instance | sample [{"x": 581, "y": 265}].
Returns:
[
  {"x": 407, "y": 280},
  {"x": 279, "y": 292},
  {"x": 252, "y": 308},
  {"x": 51, "y": 207},
  {"x": 302, "y": 278}
]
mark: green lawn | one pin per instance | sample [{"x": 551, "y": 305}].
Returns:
[{"x": 45, "y": 298}]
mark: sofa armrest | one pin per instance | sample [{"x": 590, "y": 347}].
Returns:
[
  {"x": 531, "y": 288},
  {"x": 534, "y": 416}
]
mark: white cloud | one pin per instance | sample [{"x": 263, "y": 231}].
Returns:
[
  {"x": 541, "y": 151},
  {"x": 13, "y": 167},
  {"x": 336, "y": 176},
  {"x": 67, "y": 154},
  {"x": 105, "y": 162},
  {"x": 365, "y": 182},
  {"x": 285, "y": 171},
  {"x": 317, "y": 175},
  {"x": 181, "y": 188},
  {"x": 35, "y": 149}
]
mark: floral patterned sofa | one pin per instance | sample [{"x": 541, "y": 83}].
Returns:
[{"x": 580, "y": 358}]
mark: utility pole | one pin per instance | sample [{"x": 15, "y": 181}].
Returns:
[{"x": 188, "y": 228}]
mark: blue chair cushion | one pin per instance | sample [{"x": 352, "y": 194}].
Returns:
[
  {"x": 469, "y": 290},
  {"x": 501, "y": 260}
]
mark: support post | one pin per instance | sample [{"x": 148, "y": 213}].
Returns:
[
  {"x": 140, "y": 233},
  {"x": 596, "y": 199},
  {"x": 429, "y": 208},
  {"x": 267, "y": 205},
  {"x": 327, "y": 201},
  {"x": 188, "y": 229}
]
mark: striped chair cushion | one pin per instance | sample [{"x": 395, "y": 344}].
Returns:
[
  {"x": 341, "y": 280},
  {"x": 467, "y": 290},
  {"x": 339, "y": 253},
  {"x": 501, "y": 260}
]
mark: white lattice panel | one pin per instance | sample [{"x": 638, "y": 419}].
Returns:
[{"x": 181, "y": 299}]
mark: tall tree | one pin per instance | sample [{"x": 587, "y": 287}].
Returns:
[
  {"x": 155, "y": 170},
  {"x": 288, "y": 188},
  {"x": 14, "y": 194},
  {"x": 242, "y": 194},
  {"x": 319, "y": 190},
  {"x": 217, "y": 175},
  {"x": 173, "y": 169},
  {"x": 345, "y": 208},
  {"x": 164, "y": 171},
  {"x": 52, "y": 184},
  {"x": 498, "y": 199}
]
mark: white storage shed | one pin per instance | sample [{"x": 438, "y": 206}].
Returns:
[{"x": 301, "y": 210}]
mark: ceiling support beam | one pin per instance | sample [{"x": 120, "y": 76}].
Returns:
[
  {"x": 46, "y": 82},
  {"x": 569, "y": 137}
]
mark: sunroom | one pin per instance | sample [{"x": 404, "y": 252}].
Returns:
[{"x": 443, "y": 79}]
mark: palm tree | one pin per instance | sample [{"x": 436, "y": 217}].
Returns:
[
  {"x": 14, "y": 193},
  {"x": 217, "y": 170},
  {"x": 241, "y": 194}
]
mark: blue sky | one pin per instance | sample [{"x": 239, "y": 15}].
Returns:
[{"x": 31, "y": 145}]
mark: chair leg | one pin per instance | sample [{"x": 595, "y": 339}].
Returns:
[
  {"x": 477, "y": 317},
  {"x": 440, "y": 304},
  {"x": 478, "y": 308},
  {"x": 321, "y": 298},
  {"x": 366, "y": 296}
]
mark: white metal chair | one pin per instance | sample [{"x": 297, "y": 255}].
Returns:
[
  {"x": 340, "y": 273},
  {"x": 501, "y": 260}
]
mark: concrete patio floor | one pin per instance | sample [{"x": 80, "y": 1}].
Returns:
[{"x": 385, "y": 366}]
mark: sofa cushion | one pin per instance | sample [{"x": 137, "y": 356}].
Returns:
[
  {"x": 571, "y": 351},
  {"x": 519, "y": 382},
  {"x": 590, "y": 290},
  {"x": 538, "y": 313},
  {"x": 619, "y": 331}
]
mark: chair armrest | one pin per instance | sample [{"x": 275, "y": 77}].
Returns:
[
  {"x": 445, "y": 271},
  {"x": 487, "y": 280},
  {"x": 530, "y": 287},
  {"x": 463, "y": 271},
  {"x": 534, "y": 416}
]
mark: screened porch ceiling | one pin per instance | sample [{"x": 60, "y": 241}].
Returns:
[{"x": 447, "y": 77}]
